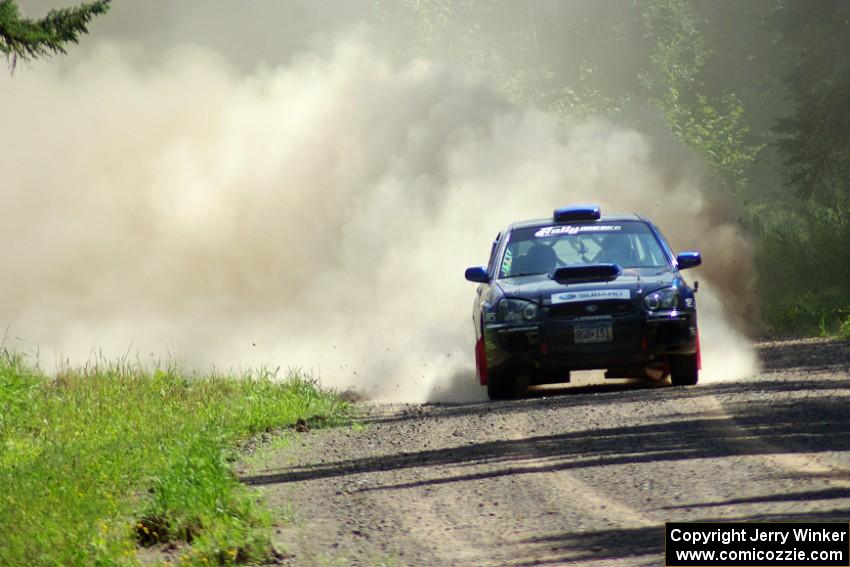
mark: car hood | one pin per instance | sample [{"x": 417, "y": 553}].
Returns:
[{"x": 541, "y": 288}]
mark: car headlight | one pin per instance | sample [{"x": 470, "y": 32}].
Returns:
[
  {"x": 662, "y": 299},
  {"x": 516, "y": 310}
]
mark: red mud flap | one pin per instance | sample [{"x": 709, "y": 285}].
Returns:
[{"x": 481, "y": 362}]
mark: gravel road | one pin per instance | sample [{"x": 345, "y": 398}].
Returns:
[{"x": 579, "y": 475}]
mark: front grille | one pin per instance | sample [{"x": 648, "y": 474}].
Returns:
[{"x": 570, "y": 310}]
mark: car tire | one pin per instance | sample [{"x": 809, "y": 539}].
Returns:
[
  {"x": 507, "y": 385},
  {"x": 684, "y": 370}
]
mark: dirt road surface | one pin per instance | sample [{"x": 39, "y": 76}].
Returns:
[{"x": 577, "y": 476}]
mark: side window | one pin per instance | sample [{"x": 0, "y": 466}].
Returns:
[
  {"x": 493, "y": 250},
  {"x": 639, "y": 251},
  {"x": 513, "y": 251},
  {"x": 650, "y": 254}
]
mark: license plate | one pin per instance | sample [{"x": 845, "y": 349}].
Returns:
[{"x": 594, "y": 333}]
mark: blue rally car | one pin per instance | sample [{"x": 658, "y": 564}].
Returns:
[{"x": 582, "y": 291}]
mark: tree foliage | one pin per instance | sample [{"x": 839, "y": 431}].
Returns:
[
  {"x": 25, "y": 39},
  {"x": 815, "y": 138},
  {"x": 713, "y": 126},
  {"x": 594, "y": 58},
  {"x": 760, "y": 89}
]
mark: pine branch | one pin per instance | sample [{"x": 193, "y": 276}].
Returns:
[{"x": 25, "y": 39}]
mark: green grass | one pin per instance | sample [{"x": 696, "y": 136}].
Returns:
[{"x": 96, "y": 462}]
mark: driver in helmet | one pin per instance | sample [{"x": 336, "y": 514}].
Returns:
[
  {"x": 616, "y": 249},
  {"x": 539, "y": 259}
]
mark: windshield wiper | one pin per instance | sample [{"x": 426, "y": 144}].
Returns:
[{"x": 523, "y": 275}]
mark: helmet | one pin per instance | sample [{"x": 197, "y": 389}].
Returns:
[
  {"x": 617, "y": 249},
  {"x": 538, "y": 259}
]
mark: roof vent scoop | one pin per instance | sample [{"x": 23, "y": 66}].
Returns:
[{"x": 577, "y": 213}]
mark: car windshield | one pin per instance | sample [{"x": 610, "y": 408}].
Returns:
[{"x": 539, "y": 250}]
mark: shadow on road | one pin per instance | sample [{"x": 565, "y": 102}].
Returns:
[
  {"x": 813, "y": 355},
  {"x": 588, "y": 546},
  {"x": 623, "y": 544},
  {"x": 759, "y": 422},
  {"x": 600, "y": 394},
  {"x": 810, "y": 357},
  {"x": 781, "y": 426},
  {"x": 804, "y": 496}
]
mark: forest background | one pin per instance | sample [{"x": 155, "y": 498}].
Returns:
[{"x": 759, "y": 89}]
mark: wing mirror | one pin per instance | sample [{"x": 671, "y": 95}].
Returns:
[
  {"x": 477, "y": 275},
  {"x": 690, "y": 259}
]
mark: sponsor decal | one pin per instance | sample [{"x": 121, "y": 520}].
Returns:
[
  {"x": 689, "y": 302},
  {"x": 570, "y": 229},
  {"x": 507, "y": 261},
  {"x": 590, "y": 295}
]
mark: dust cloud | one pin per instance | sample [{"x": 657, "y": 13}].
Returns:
[{"x": 317, "y": 214}]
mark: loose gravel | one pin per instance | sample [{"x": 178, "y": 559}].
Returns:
[{"x": 572, "y": 476}]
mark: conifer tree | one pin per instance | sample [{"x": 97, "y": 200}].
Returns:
[
  {"x": 26, "y": 39},
  {"x": 815, "y": 138}
]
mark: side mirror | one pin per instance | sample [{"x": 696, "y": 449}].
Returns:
[
  {"x": 688, "y": 260},
  {"x": 477, "y": 275}
]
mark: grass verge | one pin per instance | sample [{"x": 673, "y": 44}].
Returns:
[{"x": 100, "y": 461}]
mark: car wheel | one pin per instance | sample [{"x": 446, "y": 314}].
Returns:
[
  {"x": 684, "y": 370},
  {"x": 506, "y": 385}
]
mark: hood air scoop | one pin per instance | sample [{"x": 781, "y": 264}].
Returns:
[{"x": 589, "y": 273}]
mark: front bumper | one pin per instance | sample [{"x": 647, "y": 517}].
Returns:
[{"x": 549, "y": 347}]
